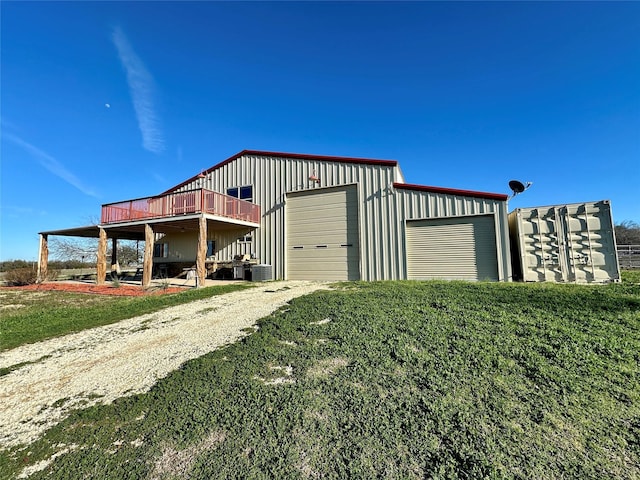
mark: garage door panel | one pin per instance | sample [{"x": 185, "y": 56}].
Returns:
[
  {"x": 455, "y": 248},
  {"x": 328, "y": 203},
  {"x": 307, "y": 239},
  {"x": 320, "y": 225},
  {"x": 313, "y": 218},
  {"x": 326, "y": 266},
  {"x": 312, "y": 239},
  {"x": 327, "y": 254}
]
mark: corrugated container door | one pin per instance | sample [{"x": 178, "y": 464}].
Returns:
[
  {"x": 541, "y": 245},
  {"x": 322, "y": 235},
  {"x": 591, "y": 250},
  {"x": 566, "y": 243},
  {"x": 458, "y": 248}
]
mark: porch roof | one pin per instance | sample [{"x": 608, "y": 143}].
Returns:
[
  {"x": 89, "y": 231},
  {"x": 135, "y": 230}
]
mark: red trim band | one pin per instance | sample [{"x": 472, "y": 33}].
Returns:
[{"x": 450, "y": 191}]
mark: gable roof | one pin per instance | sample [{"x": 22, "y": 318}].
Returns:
[
  {"x": 303, "y": 156},
  {"x": 365, "y": 161},
  {"x": 451, "y": 191}
]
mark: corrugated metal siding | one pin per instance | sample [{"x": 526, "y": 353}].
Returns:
[
  {"x": 418, "y": 205},
  {"x": 273, "y": 177},
  {"x": 322, "y": 234},
  {"x": 565, "y": 243},
  {"x": 183, "y": 246},
  {"x": 458, "y": 248},
  {"x": 382, "y": 209}
]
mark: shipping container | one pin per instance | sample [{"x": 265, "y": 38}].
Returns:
[{"x": 572, "y": 243}]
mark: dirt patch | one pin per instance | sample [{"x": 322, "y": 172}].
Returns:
[
  {"x": 178, "y": 463},
  {"x": 327, "y": 367},
  {"x": 324, "y": 321},
  {"x": 107, "y": 289},
  {"x": 13, "y": 306},
  {"x": 279, "y": 376}
]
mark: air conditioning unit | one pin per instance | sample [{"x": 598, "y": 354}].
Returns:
[{"x": 261, "y": 273}]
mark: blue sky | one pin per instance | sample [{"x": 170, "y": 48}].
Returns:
[{"x": 102, "y": 102}]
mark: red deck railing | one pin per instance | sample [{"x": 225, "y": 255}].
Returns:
[{"x": 183, "y": 203}]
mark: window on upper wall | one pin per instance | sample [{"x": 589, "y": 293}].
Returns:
[
  {"x": 246, "y": 193},
  {"x": 243, "y": 193}
]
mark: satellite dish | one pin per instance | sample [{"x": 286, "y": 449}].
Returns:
[{"x": 518, "y": 187}]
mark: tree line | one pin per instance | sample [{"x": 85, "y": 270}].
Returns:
[
  {"x": 69, "y": 253},
  {"x": 628, "y": 233}
]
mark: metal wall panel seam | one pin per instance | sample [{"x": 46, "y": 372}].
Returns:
[
  {"x": 506, "y": 242},
  {"x": 499, "y": 246}
]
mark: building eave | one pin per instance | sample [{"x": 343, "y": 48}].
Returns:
[
  {"x": 89, "y": 231},
  {"x": 451, "y": 191}
]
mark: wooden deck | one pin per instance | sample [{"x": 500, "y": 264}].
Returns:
[{"x": 178, "y": 204}]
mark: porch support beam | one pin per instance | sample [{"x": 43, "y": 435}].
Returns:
[
  {"x": 147, "y": 262},
  {"x": 43, "y": 258},
  {"x": 201, "y": 255},
  {"x": 115, "y": 268},
  {"x": 101, "y": 267}
]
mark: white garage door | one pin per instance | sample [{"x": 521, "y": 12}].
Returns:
[
  {"x": 461, "y": 248},
  {"x": 322, "y": 235}
]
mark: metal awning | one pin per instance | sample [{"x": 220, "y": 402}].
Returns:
[
  {"x": 135, "y": 230},
  {"x": 89, "y": 231}
]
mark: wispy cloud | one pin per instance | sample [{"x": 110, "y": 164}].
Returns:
[
  {"x": 12, "y": 211},
  {"x": 141, "y": 86},
  {"x": 50, "y": 163},
  {"x": 158, "y": 178}
]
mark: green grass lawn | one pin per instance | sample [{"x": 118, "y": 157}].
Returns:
[
  {"x": 45, "y": 314},
  {"x": 630, "y": 276},
  {"x": 386, "y": 380}
]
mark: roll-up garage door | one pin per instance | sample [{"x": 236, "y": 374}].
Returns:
[
  {"x": 322, "y": 234},
  {"x": 460, "y": 248}
]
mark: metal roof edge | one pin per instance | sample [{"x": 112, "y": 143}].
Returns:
[
  {"x": 450, "y": 191},
  {"x": 605, "y": 201},
  {"x": 88, "y": 231}
]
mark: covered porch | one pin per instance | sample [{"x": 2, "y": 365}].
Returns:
[{"x": 197, "y": 211}]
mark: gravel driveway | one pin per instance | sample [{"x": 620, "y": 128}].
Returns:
[{"x": 125, "y": 358}]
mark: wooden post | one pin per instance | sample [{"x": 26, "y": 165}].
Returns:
[
  {"x": 115, "y": 268},
  {"x": 101, "y": 267},
  {"x": 201, "y": 255},
  {"x": 43, "y": 258},
  {"x": 147, "y": 262}
]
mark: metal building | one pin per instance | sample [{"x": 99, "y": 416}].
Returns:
[
  {"x": 336, "y": 218},
  {"x": 320, "y": 217}
]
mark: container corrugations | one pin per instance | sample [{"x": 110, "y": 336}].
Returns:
[{"x": 572, "y": 243}]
